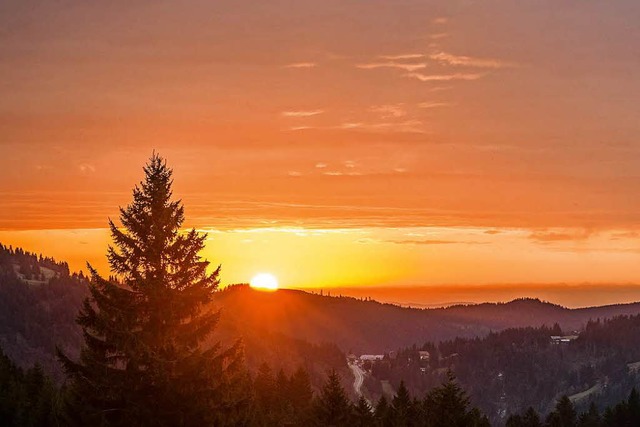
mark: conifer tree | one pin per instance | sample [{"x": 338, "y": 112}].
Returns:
[
  {"x": 591, "y": 418},
  {"x": 633, "y": 406},
  {"x": 564, "y": 414},
  {"x": 300, "y": 392},
  {"x": 448, "y": 406},
  {"x": 145, "y": 360},
  {"x": 402, "y": 407},
  {"x": 332, "y": 408},
  {"x": 382, "y": 411},
  {"x": 531, "y": 418},
  {"x": 363, "y": 415}
]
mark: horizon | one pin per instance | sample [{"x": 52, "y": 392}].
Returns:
[{"x": 445, "y": 145}]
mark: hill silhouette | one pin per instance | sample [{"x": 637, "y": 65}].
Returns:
[
  {"x": 40, "y": 298},
  {"x": 364, "y": 326}
]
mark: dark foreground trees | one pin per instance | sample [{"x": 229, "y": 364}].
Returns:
[
  {"x": 444, "y": 406},
  {"x": 624, "y": 414},
  {"x": 144, "y": 361}
]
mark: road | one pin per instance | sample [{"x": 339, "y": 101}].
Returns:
[{"x": 358, "y": 375}]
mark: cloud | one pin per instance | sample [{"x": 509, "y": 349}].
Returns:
[
  {"x": 434, "y": 104},
  {"x": 468, "y": 61},
  {"x": 437, "y": 242},
  {"x": 389, "y": 110},
  {"x": 444, "y": 77},
  {"x": 321, "y": 165},
  {"x": 440, "y": 21},
  {"x": 294, "y": 173},
  {"x": 301, "y": 65},
  {"x": 87, "y": 168},
  {"x": 308, "y": 113},
  {"x": 339, "y": 173},
  {"x": 403, "y": 56},
  {"x": 560, "y": 235},
  {"x": 349, "y": 164},
  {"x": 440, "y": 88},
  {"x": 408, "y": 126},
  {"x": 625, "y": 235},
  {"x": 392, "y": 64}
]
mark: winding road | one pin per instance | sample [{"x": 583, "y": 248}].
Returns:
[{"x": 358, "y": 375}]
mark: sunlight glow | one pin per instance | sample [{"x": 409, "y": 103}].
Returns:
[{"x": 264, "y": 281}]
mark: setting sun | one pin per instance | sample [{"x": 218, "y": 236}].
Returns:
[{"x": 264, "y": 281}]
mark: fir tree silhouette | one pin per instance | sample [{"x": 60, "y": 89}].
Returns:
[{"x": 144, "y": 359}]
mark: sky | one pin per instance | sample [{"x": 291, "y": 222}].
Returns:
[{"x": 336, "y": 143}]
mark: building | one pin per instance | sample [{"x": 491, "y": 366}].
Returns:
[
  {"x": 371, "y": 357},
  {"x": 563, "y": 339},
  {"x": 424, "y": 355}
]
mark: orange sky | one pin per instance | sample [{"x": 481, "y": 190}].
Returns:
[{"x": 334, "y": 143}]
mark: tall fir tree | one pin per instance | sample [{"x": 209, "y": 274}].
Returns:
[
  {"x": 145, "y": 359},
  {"x": 402, "y": 408},
  {"x": 564, "y": 414},
  {"x": 363, "y": 413},
  {"x": 382, "y": 412},
  {"x": 333, "y": 408},
  {"x": 448, "y": 406},
  {"x": 591, "y": 418}
]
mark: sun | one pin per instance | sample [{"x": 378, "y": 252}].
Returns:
[{"x": 264, "y": 281}]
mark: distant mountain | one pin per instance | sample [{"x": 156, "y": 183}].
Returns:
[
  {"x": 40, "y": 298},
  {"x": 364, "y": 326},
  {"x": 533, "y": 312}
]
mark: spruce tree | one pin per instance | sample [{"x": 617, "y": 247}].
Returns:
[
  {"x": 564, "y": 414},
  {"x": 448, "y": 406},
  {"x": 382, "y": 411},
  {"x": 363, "y": 413},
  {"x": 332, "y": 408},
  {"x": 145, "y": 360},
  {"x": 591, "y": 418},
  {"x": 402, "y": 409},
  {"x": 300, "y": 392},
  {"x": 531, "y": 418}
]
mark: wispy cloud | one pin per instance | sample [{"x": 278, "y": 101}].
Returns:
[
  {"x": 408, "y": 126},
  {"x": 86, "y": 168},
  {"x": 340, "y": 173},
  {"x": 468, "y": 61},
  {"x": 440, "y": 88},
  {"x": 548, "y": 236},
  {"x": 392, "y": 64},
  {"x": 437, "y": 242},
  {"x": 440, "y": 21},
  {"x": 301, "y": 65},
  {"x": 434, "y": 104},
  {"x": 403, "y": 56},
  {"x": 389, "y": 110},
  {"x": 444, "y": 77},
  {"x": 302, "y": 113}
]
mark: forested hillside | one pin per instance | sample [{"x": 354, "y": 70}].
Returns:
[
  {"x": 507, "y": 372},
  {"x": 40, "y": 300},
  {"x": 365, "y": 326}
]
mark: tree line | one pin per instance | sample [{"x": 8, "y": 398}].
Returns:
[
  {"x": 624, "y": 414},
  {"x": 508, "y": 371}
]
